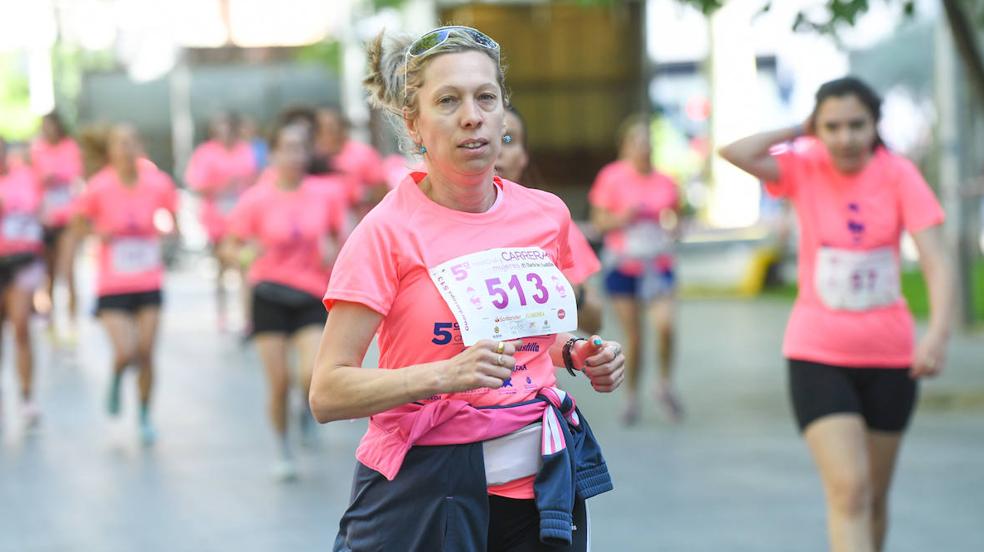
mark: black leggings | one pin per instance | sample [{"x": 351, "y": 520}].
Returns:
[{"x": 514, "y": 526}]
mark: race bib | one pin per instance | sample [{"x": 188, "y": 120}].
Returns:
[
  {"x": 646, "y": 240},
  {"x": 857, "y": 280},
  {"x": 21, "y": 227},
  {"x": 506, "y": 293},
  {"x": 132, "y": 255},
  {"x": 57, "y": 197}
]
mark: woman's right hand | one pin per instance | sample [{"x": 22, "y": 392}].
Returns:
[{"x": 478, "y": 366}]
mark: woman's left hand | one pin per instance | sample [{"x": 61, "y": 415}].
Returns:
[
  {"x": 602, "y": 361},
  {"x": 930, "y": 356}
]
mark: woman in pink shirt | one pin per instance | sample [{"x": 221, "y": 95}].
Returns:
[
  {"x": 511, "y": 165},
  {"x": 121, "y": 208},
  {"x": 459, "y": 272},
  {"x": 57, "y": 161},
  {"x": 853, "y": 364},
  {"x": 221, "y": 169},
  {"x": 361, "y": 163},
  {"x": 296, "y": 223},
  {"x": 21, "y": 268},
  {"x": 636, "y": 207}
]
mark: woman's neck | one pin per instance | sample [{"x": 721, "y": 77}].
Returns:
[
  {"x": 127, "y": 172},
  {"x": 288, "y": 180},
  {"x": 471, "y": 195}
]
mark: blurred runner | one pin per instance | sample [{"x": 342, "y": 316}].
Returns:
[
  {"x": 360, "y": 162},
  {"x": 853, "y": 366},
  {"x": 511, "y": 165},
  {"x": 296, "y": 224},
  {"x": 127, "y": 205},
  {"x": 637, "y": 209},
  {"x": 221, "y": 169},
  {"x": 57, "y": 162},
  {"x": 21, "y": 270}
]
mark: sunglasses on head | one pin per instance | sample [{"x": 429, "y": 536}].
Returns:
[
  {"x": 433, "y": 39},
  {"x": 430, "y": 40}
]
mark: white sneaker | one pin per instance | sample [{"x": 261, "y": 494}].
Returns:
[
  {"x": 285, "y": 470},
  {"x": 148, "y": 435},
  {"x": 30, "y": 415}
]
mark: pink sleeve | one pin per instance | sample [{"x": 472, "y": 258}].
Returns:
[
  {"x": 373, "y": 168},
  {"x": 789, "y": 167},
  {"x": 586, "y": 262},
  {"x": 196, "y": 175},
  {"x": 169, "y": 193},
  {"x": 74, "y": 167},
  {"x": 366, "y": 271},
  {"x": 602, "y": 192},
  {"x": 920, "y": 208},
  {"x": 242, "y": 219},
  {"x": 86, "y": 205},
  {"x": 338, "y": 212}
]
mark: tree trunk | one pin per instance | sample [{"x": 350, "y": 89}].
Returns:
[{"x": 965, "y": 37}]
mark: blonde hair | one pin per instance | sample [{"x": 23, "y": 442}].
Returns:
[{"x": 394, "y": 78}]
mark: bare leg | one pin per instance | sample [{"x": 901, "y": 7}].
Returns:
[
  {"x": 883, "y": 450},
  {"x": 662, "y": 313},
  {"x": 839, "y": 445},
  {"x": 119, "y": 326},
  {"x": 627, "y": 311}
]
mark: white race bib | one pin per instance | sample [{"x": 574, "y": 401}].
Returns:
[
  {"x": 57, "y": 197},
  {"x": 23, "y": 227},
  {"x": 857, "y": 280},
  {"x": 646, "y": 240},
  {"x": 133, "y": 255},
  {"x": 506, "y": 293}
]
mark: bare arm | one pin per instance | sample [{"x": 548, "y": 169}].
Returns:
[
  {"x": 751, "y": 154},
  {"x": 606, "y": 220},
  {"x": 342, "y": 389},
  {"x": 938, "y": 273}
]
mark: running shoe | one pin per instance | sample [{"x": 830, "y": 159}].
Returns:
[
  {"x": 113, "y": 399},
  {"x": 148, "y": 435},
  {"x": 30, "y": 415},
  {"x": 669, "y": 404},
  {"x": 284, "y": 470}
]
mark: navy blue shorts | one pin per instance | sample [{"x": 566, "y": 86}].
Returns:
[
  {"x": 620, "y": 283},
  {"x": 129, "y": 303}
]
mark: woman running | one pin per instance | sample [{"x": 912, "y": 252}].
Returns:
[
  {"x": 296, "y": 224},
  {"x": 220, "y": 170},
  {"x": 57, "y": 162},
  {"x": 119, "y": 207},
  {"x": 853, "y": 366},
  {"x": 21, "y": 270},
  {"x": 512, "y": 163},
  {"x": 636, "y": 207},
  {"x": 459, "y": 271}
]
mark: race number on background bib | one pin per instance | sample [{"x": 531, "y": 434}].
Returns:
[
  {"x": 21, "y": 227},
  {"x": 646, "y": 240},
  {"x": 857, "y": 280},
  {"x": 506, "y": 293},
  {"x": 56, "y": 197},
  {"x": 132, "y": 255}
]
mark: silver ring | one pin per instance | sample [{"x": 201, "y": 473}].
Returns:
[
  {"x": 499, "y": 361},
  {"x": 617, "y": 351}
]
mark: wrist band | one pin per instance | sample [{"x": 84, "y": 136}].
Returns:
[{"x": 566, "y": 353}]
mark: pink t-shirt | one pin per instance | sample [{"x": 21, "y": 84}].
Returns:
[
  {"x": 586, "y": 262},
  {"x": 221, "y": 175},
  {"x": 291, "y": 228},
  {"x": 129, "y": 257},
  {"x": 59, "y": 169},
  {"x": 859, "y": 212},
  {"x": 384, "y": 266},
  {"x": 619, "y": 188},
  {"x": 362, "y": 164},
  {"x": 20, "y": 204}
]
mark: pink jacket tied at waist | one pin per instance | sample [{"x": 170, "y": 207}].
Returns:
[{"x": 454, "y": 422}]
